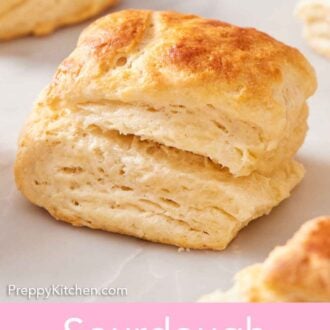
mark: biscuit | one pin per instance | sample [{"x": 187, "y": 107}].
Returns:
[
  {"x": 90, "y": 176},
  {"x": 41, "y": 17},
  {"x": 232, "y": 94},
  {"x": 149, "y": 125},
  {"x": 316, "y": 17},
  {"x": 296, "y": 272}
]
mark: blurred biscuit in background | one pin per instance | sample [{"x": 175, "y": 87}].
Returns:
[
  {"x": 40, "y": 17},
  {"x": 316, "y": 18},
  {"x": 299, "y": 271}
]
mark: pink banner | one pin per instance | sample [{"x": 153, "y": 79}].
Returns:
[{"x": 165, "y": 316}]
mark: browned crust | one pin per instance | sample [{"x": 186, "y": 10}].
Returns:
[
  {"x": 302, "y": 267},
  {"x": 318, "y": 240},
  {"x": 185, "y": 51}
]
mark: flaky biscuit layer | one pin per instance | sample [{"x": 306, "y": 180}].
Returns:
[{"x": 87, "y": 175}]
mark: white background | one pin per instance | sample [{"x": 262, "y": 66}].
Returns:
[{"x": 37, "y": 251}]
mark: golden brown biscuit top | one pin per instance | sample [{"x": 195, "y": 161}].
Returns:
[
  {"x": 7, "y": 5},
  {"x": 317, "y": 238},
  {"x": 217, "y": 49},
  {"x": 161, "y": 58}
]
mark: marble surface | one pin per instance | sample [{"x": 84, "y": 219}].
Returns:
[{"x": 36, "y": 251}]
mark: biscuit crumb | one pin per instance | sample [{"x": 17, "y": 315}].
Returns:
[{"x": 182, "y": 249}]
